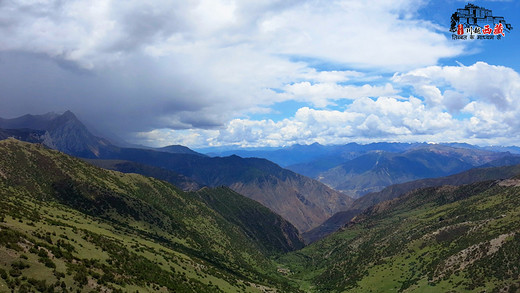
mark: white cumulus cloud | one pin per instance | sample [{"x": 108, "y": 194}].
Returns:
[{"x": 476, "y": 104}]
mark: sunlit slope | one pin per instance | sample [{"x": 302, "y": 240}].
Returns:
[
  {"x": 442, "y": 239},
  {"x": 67, "y": 224}
]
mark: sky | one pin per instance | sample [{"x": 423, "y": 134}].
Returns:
[{"x": 262, "y": 73}]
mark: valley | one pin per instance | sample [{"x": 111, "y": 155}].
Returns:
[
  {"x": 234, "y": 146},
  {"x": 69, "y": 225}
]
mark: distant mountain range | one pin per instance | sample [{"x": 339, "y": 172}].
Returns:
[
  {"x": 296, "y": 156},
  {"x": 310, "y": 160},
  {"x": 376, "y": 170},
  {"x": 304, "y": 202},
  {"x": 65, "y": 132},
  {"x": 356, "y": 170}
]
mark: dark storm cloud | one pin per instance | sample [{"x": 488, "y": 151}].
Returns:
[
  {"x": 201, "y": 66},
  {"x": 146, "y": 24},
  {"x": 35, "y": 83}
]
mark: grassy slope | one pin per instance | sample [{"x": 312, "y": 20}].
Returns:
[
  {"x": 77, "y": 226},
  {"x": 273, "y": 233},
  {"x": 339, "y": 219},
  {"x": 67, "y": 225},
  {"x": 303, "y": 201},
  {"x": 445, "y": 239}
]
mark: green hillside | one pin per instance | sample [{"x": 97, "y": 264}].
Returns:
[
  {"x": 69, "y": 226},
  {"x": 471, "y": 176},
  {"x": 442, "y": 239},
  {"x": 272, "y": 233}
]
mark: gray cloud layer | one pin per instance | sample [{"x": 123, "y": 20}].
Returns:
[{"x": 136, "y": 66}]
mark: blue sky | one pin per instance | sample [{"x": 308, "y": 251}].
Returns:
[
  {"x": 499, "y": 52},
  {"x": 262, "y": 73}
]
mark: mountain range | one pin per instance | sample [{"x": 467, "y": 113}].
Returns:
[
  {"x": 297, "y": 156},
  {"x": 312, "y": 159},
  {"x": 356, "y": 170},
  {"x": 67, "y": 225},
  {"x": 376, "y": 170},
  {"x": 304, "y": 202}
]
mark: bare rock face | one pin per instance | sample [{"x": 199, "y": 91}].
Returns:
[
  {"x": 304, "y": 202},
  {"x": 61, "y": 132}
]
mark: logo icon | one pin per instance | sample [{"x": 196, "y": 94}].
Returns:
[{"x": 473, "y": 22}]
